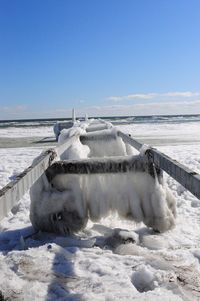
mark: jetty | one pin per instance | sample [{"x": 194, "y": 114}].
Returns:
[{"x": 95, "y": 130}]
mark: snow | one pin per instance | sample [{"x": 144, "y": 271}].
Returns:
[
  {"x": 19, "y": 132},
  {"x": 14, "y": 161},
  {"x": 77, "y": 150},
  {"x": 165, "y": 134},
  {"x": 115, "y": 259}
]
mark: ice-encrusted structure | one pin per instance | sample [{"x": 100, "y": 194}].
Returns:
[{"x": 65, "y": 205}]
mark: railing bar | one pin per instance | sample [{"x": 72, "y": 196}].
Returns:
[
  {"x": 116, "y": 164},
  {"x": 14, "y": 190},
  {"x": 128, "y": 139},
  {"x": 181, "y": 173}
]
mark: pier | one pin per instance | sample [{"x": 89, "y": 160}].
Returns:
[{"x": 97, "y": 130}]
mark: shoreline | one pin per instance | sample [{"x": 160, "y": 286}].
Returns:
[
  {"x": 11, "y": 142},
  {"x": 27, "y": 142}
]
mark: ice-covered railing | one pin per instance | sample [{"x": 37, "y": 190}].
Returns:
[
  {"x": 13, "y": 192},
  {"x": 93, "y": 124},
  {"x": 181, "y": 173},
  {"x": 96, "y": 178}
]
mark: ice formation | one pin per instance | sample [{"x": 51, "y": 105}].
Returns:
[
  {"x": 43, "y": 270},
  {"x": 65, "y": 205}
]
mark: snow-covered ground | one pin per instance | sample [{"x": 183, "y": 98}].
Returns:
[
  {"x": 19, "y": 132},
  {"x": 99, "y": 263},
  {"x": 166, "y": 133}
]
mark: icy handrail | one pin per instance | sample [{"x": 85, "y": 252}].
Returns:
[
  {"x": 116, "y": 164},
  {"x": 181, "y": 173},
  {"x": 13, "y": 191}
]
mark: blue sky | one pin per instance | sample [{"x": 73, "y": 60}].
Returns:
[{"x": 103, "y": 57}]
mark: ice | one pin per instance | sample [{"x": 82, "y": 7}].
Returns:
[
  {"x": 154, "y": 242},
  {"x": 99, "y": 263},
  {"x": 66, "y": 207},
  {"x": 144, "y": 149},
  {"x": 15, "y": 132},
  {"x": 144, "y": 279},
  {"x": 166, "y": 133},
  {"x": 102, "y": 149},
  {"x": 14, "y": 161},
  {"x": 77, "y": 150}
]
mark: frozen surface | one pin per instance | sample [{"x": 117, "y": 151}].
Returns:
[
  {"x": 166, "y": 133},
  {"x": 112, "y": 260},
  {"x": 14, "y": 161},
  {"x": 19, "y": 132}
]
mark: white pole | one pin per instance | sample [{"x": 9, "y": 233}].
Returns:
[
  {"x": 86, "y": 117},
  {"x": 73, "y": 115}
]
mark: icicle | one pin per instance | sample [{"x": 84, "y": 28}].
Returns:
[
  {"x": 155, "y": 175},
  {"x": 22, "y": 243}
]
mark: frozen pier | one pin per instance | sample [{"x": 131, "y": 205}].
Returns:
[{"x": 95, "y": 132}]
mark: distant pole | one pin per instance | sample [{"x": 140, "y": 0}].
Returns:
[
  {"x": 86, "y": 117},
  {"x": 73, "y": 115}
]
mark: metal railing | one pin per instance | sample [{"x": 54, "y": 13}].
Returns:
[
  {"x": 181, "y": 173},
  {"x": 13, "y": 191}
]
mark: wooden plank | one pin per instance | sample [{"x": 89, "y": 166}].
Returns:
[
  {"x": 119, "y": 164},
  {"x": 182, "y": 174},
  {"x": 13, "y": 191}
]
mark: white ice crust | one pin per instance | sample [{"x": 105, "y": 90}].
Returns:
[
  {"x": 103, "y": 262},
  {"x": 66, "y": 207}
]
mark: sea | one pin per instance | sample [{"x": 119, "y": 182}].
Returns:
[
  {"x": 113, "y": 119},
  {"x": 154, "y": 130}
]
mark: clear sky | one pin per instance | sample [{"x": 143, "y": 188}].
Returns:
[{"x": 103, "y": 57}]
